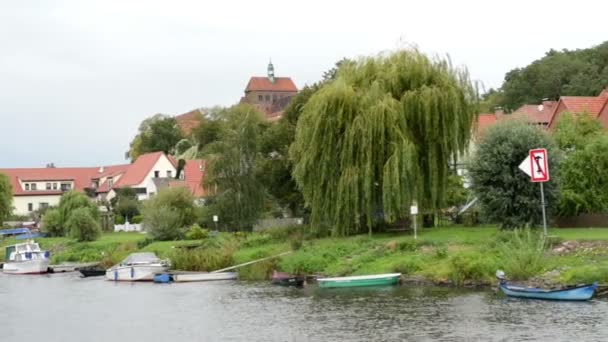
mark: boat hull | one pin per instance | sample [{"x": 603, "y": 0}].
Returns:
[
  {"x": 360, "y": 281},
  {"x": 579, "y": 293},
  {"x": 134, "y": 272},
  {"x": 190, "y": 277},
  {"x": 36, "y": 266},
  {"x": 286, "y": 279}
]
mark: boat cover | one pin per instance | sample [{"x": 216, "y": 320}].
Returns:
[{"x": 138, "y": 258}]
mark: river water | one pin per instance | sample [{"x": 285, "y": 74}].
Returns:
[{"x": 64, "y": 307}]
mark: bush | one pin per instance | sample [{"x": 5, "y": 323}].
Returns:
[
  {"x": 119, "y": 219},
  {"x": 51, "y": 223},
  {"x": 522, "y": 256},
  {"x": 163, "y": 223},
  {"x": 408, "y": 266},
  {"x": 137, "y": 219},
  {"x": 82, "y": 226},
  {"x": 197, "y": 233},
  {"x": 296, "y": 241},
  {"x": 409, "y": 245},
  {"x": 202, "y": 260},
  {"x": 471, "y": 266}
]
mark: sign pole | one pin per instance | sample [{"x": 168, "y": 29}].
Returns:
[
  {"x": 542, "y": 201},
  {"x": 414, "y": 212}
]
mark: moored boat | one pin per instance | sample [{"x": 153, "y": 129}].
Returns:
[
  {"x": 25, "y": 258},
  {"x": 571, "y": 293},
  {"x": 356, "y": 281},
  {"x": 92, "y": 271},
  {"x": 203, "y": 276},
  {"x": 136, "y": 267},
  {"x": 286, "y": 279}
]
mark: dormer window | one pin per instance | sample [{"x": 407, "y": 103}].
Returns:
[
  {"x": 48, "y": 186},
  {"x": 33, "y": 186},
  {"x": 27, "y": 186},
  {"x": 110, "y": 182}
]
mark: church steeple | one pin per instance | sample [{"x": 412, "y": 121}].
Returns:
[{"x": 271, "y": 72}]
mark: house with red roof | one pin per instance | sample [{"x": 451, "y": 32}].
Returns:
[
  {"x": 39, "y": 188},
  {"x": 270, "y": 94},
  {"x": 539, "y": 115},
  {"x": 596, "y": 106}
]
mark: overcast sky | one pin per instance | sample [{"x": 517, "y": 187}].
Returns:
[{"x": 77, "y": 77}]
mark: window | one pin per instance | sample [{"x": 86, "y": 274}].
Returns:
[
  {"x": 260, "y": 98},
  {"x": 156, "y": 174},
  {"x": 48, "y": 186},
  {"x": 30, "y": 207},
  {"x": 54, "y": 186},
  {"x": 274, "y": 98},
  {"x": 168, "y": 173},
  {"x": 110, "y": 182},
  {"x": 43, "y": 205},
  {"x": 27, "y": 186},
  {"x": 66, "y": 186},
  {"x": 33, "y": 186},
  {"x": 267, "y": 98}
]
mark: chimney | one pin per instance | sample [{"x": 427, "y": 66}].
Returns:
[{"x": 101, "y": 169}]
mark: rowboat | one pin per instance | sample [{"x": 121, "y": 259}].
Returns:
[
  {"x": 286, "y": 279},
  {"x": 355, "y": 281},
  {"x": 573, "y": 293}
]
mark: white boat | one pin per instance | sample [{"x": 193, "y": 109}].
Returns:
[
  {"x": 26, "y": 258},
  {"x": 203, "y": 276},
  {"x": 138, "y": 266}
]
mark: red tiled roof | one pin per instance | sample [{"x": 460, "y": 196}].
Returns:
[
  {"x": 484, "y": 121},
  {"x": 194, "y": 171},
  {"x": 136, "y": 173},
  {"x": 264, "y": 84},
  {"x": 579, "y": 104},
  {"x": 539, "y": 114},
  {"x": 189, "y": 121}
]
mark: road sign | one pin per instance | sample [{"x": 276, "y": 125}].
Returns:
[{"x": 539, "y": 165}]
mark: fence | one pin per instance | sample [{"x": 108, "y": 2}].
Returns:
[{"x": 128, "y": 227}]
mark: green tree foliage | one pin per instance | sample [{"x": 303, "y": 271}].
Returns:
[
  {"x": 505, "y": 192},
  {"x": 379, "y": 137},
  {"x": 6, "y": 197},
  {"x": 69, "y": 202},
  {"x": 575, "y": 131},
  {"x": 581, "y": 72},
  {"x": 51, "y": 222},
  {"x": 82, "y": 226},
  {"x": 239, "y": 195},
  {"x": 584, "y": 179},
  {"x": 168, "y": 214},
  {"x": 208, "y": 131},
  {"x": 125, "y": 203},
  {"x": 158, "y": 133}
]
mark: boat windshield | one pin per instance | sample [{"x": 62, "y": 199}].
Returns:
[{"x": 139, "y": 258}]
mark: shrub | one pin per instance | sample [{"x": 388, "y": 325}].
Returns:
[
  {"x": 409, "y": 245},
  {"x": 471, "y": 266},
  {"x": 296, "y": 241},
  {"x": 197, "y": 233},
  {"x": 408, "y": 265},
  {"x": 522, "y": 256},
  {"x": 137, "y": 219},
  {"x": 82, "y": 226},
  {"x": 203, "y": 260},
  {"x": 143, "y": 243},
  {"x": 119, "y": 219},
  {"x": 441, "y": 252},
  {"x": 51, "y": 223},
  {"x": 163, "y": 223}
]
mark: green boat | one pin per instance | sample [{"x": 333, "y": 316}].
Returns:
[{"x": 356, "y": 281}]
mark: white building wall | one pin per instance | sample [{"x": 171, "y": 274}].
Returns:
[
  {"x": 162, "y": 166},
  {"x": 20, "y": 203}
]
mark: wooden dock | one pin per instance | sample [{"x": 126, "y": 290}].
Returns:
[{"x": 70, "y": 266}]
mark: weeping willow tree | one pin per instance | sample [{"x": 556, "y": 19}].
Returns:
[{"x": 380, "y": 137}]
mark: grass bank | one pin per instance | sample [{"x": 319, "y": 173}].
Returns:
[{"x": 452, "y": 255}]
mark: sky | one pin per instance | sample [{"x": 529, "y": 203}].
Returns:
[{"x": 77, "y": 77}]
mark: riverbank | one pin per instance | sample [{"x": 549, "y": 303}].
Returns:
[{"x": 457, "y": 256}]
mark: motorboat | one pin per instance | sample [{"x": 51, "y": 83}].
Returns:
[
  {"x": 138, "y": 266},
  {"x": 26, "y": 258}
]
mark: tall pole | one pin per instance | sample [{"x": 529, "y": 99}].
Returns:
[
  {"x": 415, "y": 231},
  {"x": 542, "y": 201}
]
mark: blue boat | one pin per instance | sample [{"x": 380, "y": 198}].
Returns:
[{"x": 574, "y": 293}]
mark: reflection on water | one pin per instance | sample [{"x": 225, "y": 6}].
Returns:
[{"x": 63, "y": 307}]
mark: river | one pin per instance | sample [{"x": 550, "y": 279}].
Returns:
[{"x": 64, "y": 307}]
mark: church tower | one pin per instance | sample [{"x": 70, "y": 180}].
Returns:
[{"x": 271, "y": 72}]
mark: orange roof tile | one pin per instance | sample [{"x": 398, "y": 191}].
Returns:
[
  {"x": 540, "y": 114},
  {"x": 264, "y": 84},
  {"x": 189, "y": 121},
  {"x": 484, "y": 121},
  {"x": 579, "y": 104},
  {"x": 136, "y": 173}
]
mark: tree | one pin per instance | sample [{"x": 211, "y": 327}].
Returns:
[
  {"x": 581, "y": 72},
  {"x": 51, "y": 222},
  {"x": 6, "y": 197},
  {"x": 208, "y": 131},
  {"x": 125, "y": 203},
  {"x": 379, "y": 137},
  {"x": 82, "y": 226},
  {"x": 575, "y": 131},
  {"x": 584, "y": 187},
  {"x": 158, "y": 133},
  {"x": 239, "y": 196},
  {"x": 504, "y": 191},
  {"x": 175, "y": 203}
]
